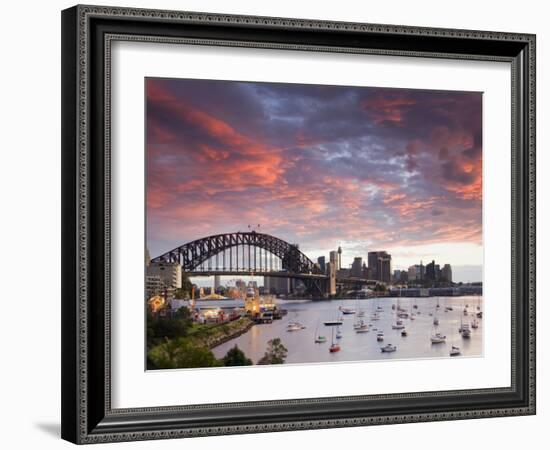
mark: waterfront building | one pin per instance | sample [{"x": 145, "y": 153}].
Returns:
[
  {"x": 147, "y": 257},
  {"x": 153, "y": 286},
  {"x": 170, "y": 273},
  {"x": 447, "y": 273},
  {"x": 322, "y": 264},
  {"x": 357, "y": 267}
]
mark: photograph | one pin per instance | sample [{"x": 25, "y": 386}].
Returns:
[{"x": 309, "y": 223}]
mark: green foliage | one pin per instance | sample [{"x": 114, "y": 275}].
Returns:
[
  {"x": 186, "y": 287},
  {"x": 181, "y": 353},
  {"x": 236, "y": 357},
  {"x": 159, "y": 328},
  {"x": 275, "y": 354}
]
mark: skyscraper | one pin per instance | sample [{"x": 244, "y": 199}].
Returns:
[
  {"x": 380, "y": 265},
  {"x": 447, "y": 273},
  {"x": 322, "y": 264},
  {"x": 357, "y": 267}
]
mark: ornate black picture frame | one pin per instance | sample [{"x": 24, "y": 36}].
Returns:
[{"x": 87, "y": 34}]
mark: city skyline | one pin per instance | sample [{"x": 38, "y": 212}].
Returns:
[{"x": 322, "y": 166}]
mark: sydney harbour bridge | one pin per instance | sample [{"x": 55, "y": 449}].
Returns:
[{"x": 254, "y": 253}]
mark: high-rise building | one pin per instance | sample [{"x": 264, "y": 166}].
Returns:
[
  {"x": 431, "y": 271},
  {"x": 447, "y": 273},
  {"x": 380, "y": 265},
  {"x": 357, "y": 267},
  {"x": 169, "y": 273},
  {"x": 339, "y": 258},
  {"x": 322, "y": 264}
]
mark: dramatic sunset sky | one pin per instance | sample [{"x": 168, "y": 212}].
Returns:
[{"x": 365, "y": 168}]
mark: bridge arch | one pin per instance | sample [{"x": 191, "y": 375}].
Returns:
[{"x": 194, "y": 254}]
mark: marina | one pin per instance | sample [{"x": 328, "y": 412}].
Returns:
[{"x": 322, "y": 333}]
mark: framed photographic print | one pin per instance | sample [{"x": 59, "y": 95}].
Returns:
[{"x": 281, "y": 224}]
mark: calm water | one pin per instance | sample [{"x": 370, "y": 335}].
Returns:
[{"x": 363, "y": 346}]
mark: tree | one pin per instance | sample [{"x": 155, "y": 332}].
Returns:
[
  {"x": 181, "y": 353},
  {"x": 236, "y": 357},
  {"x": 275, "y": 354},
  {"x": 186, "y": 286},
  {"x": 166, "y": 327}
]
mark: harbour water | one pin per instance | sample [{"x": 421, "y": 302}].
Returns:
[{"x": 364, "y": 346}]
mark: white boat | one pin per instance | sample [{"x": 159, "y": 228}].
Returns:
[
  {"x": 347, "y": 310},
  {"x": 380, "y": 336},
  {"x": 466, "y": 332},
  {"x": 436, "y": 321},
  {"x": 475, "y": 323},
  {"x": 413, "y": 316},
  {"x": 465, "y": 311},
  {"x": 320, "y": 339},
  {"x": 448, "y": 308},
  {"x": 397, "y": 326},
  {"x": 388, "y": 348},
  {"x": 375, "y": 316},
  {"x": 403, "y": 315},
  {"x": 363, "y": 329},
  {"x": 358, "y": 324},
  {"x": 295, "y": 327},
  {"x": 438, "y": 338},
  {"x": 338, "y": 334},
  {"x": 455, "y": 351}
]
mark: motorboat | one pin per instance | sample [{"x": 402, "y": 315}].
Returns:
[
  {"x": 380, "y": 336},
  {"x": 403, "y": 315},
  {"x": 466, "y": 333},
  {"x": 295, "y": 327},
  {"x": 397, "y": 326},
  {"x": 438, "y": 338},
  {"x": 347, "y": 311},
  {"x": 362, "y": 329},
  {"x": 388, "y": 348},
  {"x": 455, "y": 351},
  {"x": 436, "y": 321},
  {"x": 320, "y": 339},
  {"x": 475, "y": 323},
  {"x": 338, "y": 334},
  {"x": 404, "y": 333}
]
